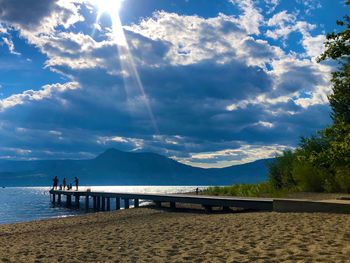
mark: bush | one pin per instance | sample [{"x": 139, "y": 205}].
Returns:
[
  {"x": 280, "y": 171},
  {"x": 342, "y": 179},
  {"x": 246, "y": 190},
  {"x": 310, "y": 179}
]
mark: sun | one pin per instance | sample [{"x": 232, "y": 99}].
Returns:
[{"x": 112, "y": 7}]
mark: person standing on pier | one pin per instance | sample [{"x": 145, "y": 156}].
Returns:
[
  {"x": 64, "y": 183},
  {"x": 76, "y": 181},
  {"x": 55, "y": 183}
]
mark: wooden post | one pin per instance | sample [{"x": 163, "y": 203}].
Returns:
[
  {"x": 208, "y": 208},
  {"x": 136, "y": 203},
  {"x": 172, "y": 205},
  {"x": 53, "y": 198},
  {"x": 69, "y": 201},
  {"x": 77, "y": 201},
  {"x": 59, "y": 199},
  {"x": 117, "y": 203},
  {"x": 98, "y": 203},
  {"x": 94, "y": 202},
  {"x": 158, "y": 204},
  {"x": 108, "y": 204},
  {"x": 87, "y": 203},
  {"x": 103, "y": 206},
  {"x": 126, "y": 203}
]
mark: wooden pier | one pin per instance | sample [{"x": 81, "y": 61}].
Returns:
[{"x": 101, "y": 201}]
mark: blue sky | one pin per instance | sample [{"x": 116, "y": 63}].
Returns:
[{"x": 208, "y": 83}]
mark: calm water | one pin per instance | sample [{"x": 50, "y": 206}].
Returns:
[{"x": 21, "y": 204}]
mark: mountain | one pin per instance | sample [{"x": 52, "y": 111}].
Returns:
[{"x": 114, "y": 167}]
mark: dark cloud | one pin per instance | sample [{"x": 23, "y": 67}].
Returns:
[
  {"x": 27, "y": 14},
  {"x": 299, "y": 78}
]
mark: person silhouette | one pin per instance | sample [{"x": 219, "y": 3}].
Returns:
[
  {"x": 64, "y": 183},
  {"x": 76, "y": 181},
  {"x": 197, "y": 190},
  {"x": 55, "y": 182}
]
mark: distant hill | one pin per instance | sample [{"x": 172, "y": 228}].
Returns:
[{"x": 114, "y": 167}]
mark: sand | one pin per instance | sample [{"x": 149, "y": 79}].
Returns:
[{"x": 151, "y": 235}]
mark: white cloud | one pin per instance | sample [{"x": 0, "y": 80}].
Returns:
[
  {"x": 11, "y": 47},
  {"x": 227, "y": 157},
  {"x": 310, "y": 5},
  {"x": 18, "y": 151},
  {"x": 265, "y": 124},
  {"x": 135, "y": 143},
  {"x": 283, "y": 24},
  {"x": 47, "y": 91},
  {"x": 271, "y": 5},
  {"x": 251, "y": 19},
  {"x": 56, "y": 133},
  {"x": 314, "y": 46},
  {"x": 3, "y": 29},
  {"x": 192, "y": 38}
]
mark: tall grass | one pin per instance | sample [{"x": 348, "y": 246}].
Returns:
[{"x": 247, "y": 190}]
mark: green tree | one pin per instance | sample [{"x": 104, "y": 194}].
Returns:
[
  {"x": 337, "y": 47},
  {"x": 322, "y": 162},
  {"x": 280, "y": 170}
]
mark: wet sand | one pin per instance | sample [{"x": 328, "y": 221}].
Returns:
[{"x": 151, "y": 235}]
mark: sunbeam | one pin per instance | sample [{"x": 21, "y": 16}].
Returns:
[{"x": 131, "y": 75}]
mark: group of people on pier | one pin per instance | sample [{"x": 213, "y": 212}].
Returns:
[{"x": 64, "y": 185}]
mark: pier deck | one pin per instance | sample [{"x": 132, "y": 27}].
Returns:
[{"x": 101, "y": 200}]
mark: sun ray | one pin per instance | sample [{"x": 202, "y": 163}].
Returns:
[{"x": 112, "y": 8}]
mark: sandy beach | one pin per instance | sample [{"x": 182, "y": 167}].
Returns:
[{"x": 151, "y": 235}]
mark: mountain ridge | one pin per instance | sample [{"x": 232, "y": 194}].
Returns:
[{"x": 115, "y": 167}]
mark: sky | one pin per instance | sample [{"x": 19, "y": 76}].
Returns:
[{"x": 210, "y": 83}]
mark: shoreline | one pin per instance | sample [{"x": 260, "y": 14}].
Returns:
[{"x": 158, "y": 235}]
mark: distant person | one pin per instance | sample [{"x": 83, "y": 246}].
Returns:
[
  {"x": 64, "y": 183},
  {"x": 69, "y": 187},
  {"x": 76, "y": 181},
  {"x": 60, "y": 187},
  {"x": 55, "y": 183},
  {"x": 197, "y": 190}
]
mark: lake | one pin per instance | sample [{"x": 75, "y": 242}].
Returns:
[{"x": 22, "y": 204}]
